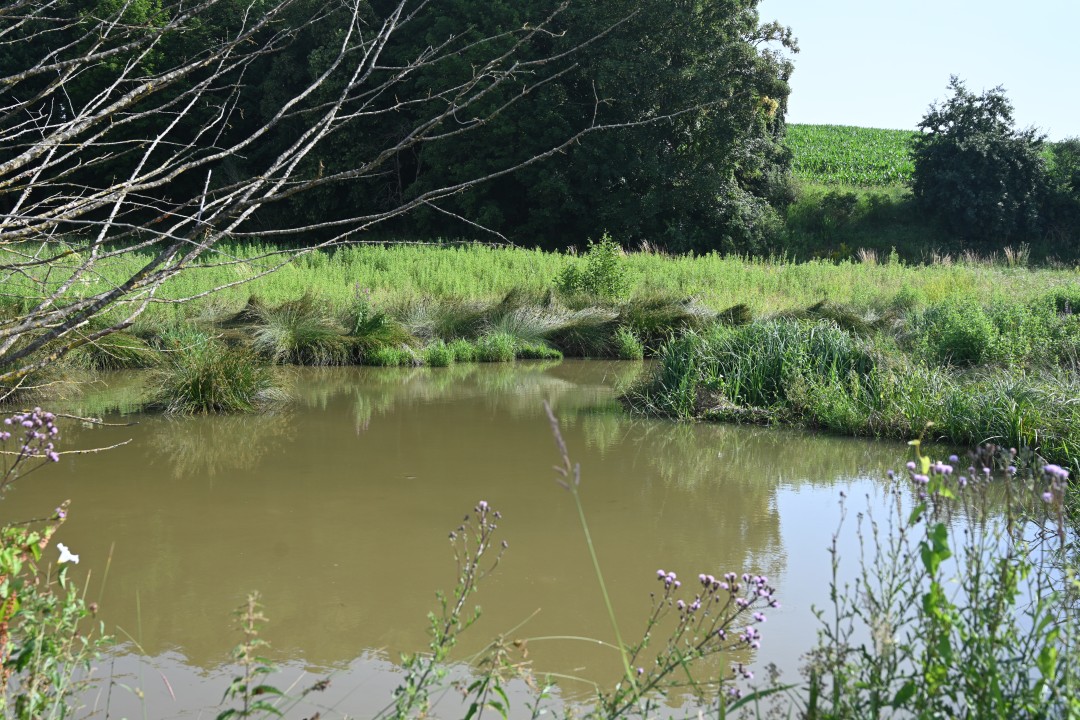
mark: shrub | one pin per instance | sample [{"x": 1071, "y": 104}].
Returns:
[
  {"x": 603, "y": 275},
  {"x": 956, "y": 331}
]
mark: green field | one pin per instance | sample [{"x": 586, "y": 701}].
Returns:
[
  {"x": 845, "y": 155},
  {"x": 396, "y": 274}
]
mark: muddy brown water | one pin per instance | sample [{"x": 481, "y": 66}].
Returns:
[{"x": 337, "y": 508}]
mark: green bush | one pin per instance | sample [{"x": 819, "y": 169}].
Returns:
[
  {"x": 957, "y": 331},
  {"x": 603, "y": 275}
]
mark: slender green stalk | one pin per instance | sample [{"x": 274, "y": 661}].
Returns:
[{"x": 572, "y": 473}]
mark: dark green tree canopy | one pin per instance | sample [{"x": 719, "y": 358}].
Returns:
[
  {"x": 695, "y": 93},
  {"x": 982, "y": 178}
]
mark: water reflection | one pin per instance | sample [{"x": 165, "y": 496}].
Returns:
[{"x": 337, "y": 510}]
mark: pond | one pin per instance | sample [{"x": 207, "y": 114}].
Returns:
[{"x": 337, "y": 509}]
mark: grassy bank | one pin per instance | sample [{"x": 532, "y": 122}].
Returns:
[
  {"x": 397, "y": 274},
  {"x": 903, "y": 344}
]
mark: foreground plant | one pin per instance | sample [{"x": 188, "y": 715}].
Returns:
[
  {"x": 722, "y": 617},
  {"x": 957, "y": 610},
  {"x": 44, "y": 643}
]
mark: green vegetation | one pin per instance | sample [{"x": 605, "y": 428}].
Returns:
[
  {"x": 202, "y": 375},
  {"x": 851, "y": 156},
  {"x": 969, "y": 374},
  {"x": 975, "y": 173}
]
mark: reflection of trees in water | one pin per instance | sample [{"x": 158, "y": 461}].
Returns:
[
  {"x": 690, "y": 455},
  {"x": 215, "y": 445},
  {"x": 733, "y": 473}
]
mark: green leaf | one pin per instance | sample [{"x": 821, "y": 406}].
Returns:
[
  {"x": 903, "y": 694},
  {"x": 1047, "y": 660}
]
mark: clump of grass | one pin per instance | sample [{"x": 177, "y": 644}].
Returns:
[
  {"x": 527, "y": 324},
  {"x": 496, "y": 347},
  {"x": 116, "y": 351},
  {"x": 627, "y": 344},
  {"x": 301, "y": 331},
  {"x": 536, "y": 351},
  {"x": 739, "y": 314},
  {"x": 370, "y": 327},
  {"x": 390, "y": 357},
  {"x": 655, "y": 318},
  {"x": 464, "y": 350},
  {"x": 586, "y": 333},
  {"x": 438, "y": 354},
  {"x": 446, "y": 318},
  {"x": 202, "y": 376}
]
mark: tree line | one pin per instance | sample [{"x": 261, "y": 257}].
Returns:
[{"x": 692, "y": 93}]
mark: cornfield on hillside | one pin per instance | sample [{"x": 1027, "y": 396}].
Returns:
[{"x": 844, "y": 155}]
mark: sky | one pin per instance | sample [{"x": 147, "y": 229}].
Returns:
[{"x": 880, "y": 63}]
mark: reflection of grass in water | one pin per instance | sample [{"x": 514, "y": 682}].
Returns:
[
  {"x": 112, "y": 393},
  {"x": 516, "y": 387},
  {"x": 213, "y": 445}
]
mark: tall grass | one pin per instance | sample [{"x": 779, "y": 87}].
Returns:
[
  {"x": 301, "y": 331},
  {"x": 820, "y": 375},
  {"x": 459, "y": 277},
  {"x": 202, "y": 375}
]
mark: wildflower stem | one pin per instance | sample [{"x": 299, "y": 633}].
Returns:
[{"x": 603, "y": 586}]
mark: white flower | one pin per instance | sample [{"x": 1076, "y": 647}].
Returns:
[{"x": 66, "y": 555}]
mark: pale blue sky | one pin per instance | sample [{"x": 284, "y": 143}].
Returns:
[{"x": 880, "y": 64}]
